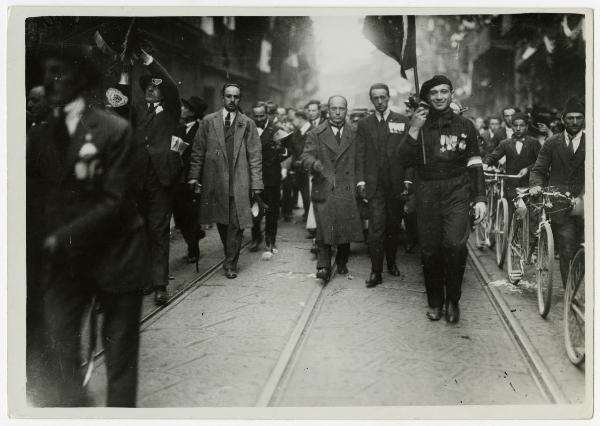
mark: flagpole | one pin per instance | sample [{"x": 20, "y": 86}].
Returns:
[{"x": 417, "y": 92}]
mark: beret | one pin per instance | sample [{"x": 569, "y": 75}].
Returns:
[{"x": 431, "y": 83}]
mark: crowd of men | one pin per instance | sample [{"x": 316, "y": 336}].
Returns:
[{"x": 102, "y": 189}]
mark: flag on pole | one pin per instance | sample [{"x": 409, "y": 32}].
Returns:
[{"x": 395, "y": 36}]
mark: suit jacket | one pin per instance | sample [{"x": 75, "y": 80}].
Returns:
[
  {"x": 515, "y": 162},
  {"x": 333, "y": 190},
  {"x": 556, "y": 167},
  {"x": 153, "y": 131},
  {"x": 368, "y": 152},
  {"x": 186, "y": 156},
  {"x": 95, "y": 219},
  {"x": 272, "y": 155},
  {"x": 210, "y": 165},
  {"x": 488, "y": 142}
]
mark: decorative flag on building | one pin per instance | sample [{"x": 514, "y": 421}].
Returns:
[
  {"x": 264, "y": 62},
  {"x": 394, "y": 35}
]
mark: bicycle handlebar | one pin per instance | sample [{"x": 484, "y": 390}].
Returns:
[{"x": 501, "y": 175}]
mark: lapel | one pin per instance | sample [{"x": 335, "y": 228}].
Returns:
[
  {"x": 239, "y": 129},
  {"x": 85, "y": 132},
  {"x": 217, "y": 123},
  {"x": 563, "y": 150},
  {"x": 346, "y": 141},
  {"x": 373, "y": 123},
  {"x": 328, "y": 138}
]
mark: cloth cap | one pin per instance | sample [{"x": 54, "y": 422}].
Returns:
[
  {"x": 520, "y": 116},
  {"x": 429, "y": 84},
  {"x": 574, "y": 105}
]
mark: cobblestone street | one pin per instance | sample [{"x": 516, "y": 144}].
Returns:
[{"x": 221, "y": 343}]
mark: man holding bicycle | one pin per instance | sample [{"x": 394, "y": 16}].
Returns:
[
  {"x": 521, "y": 151},
  {"x": 561, "y": 164}
]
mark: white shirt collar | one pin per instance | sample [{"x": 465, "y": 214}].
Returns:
[
  {"x": 336, "y": 130},
  {"x": 305, "y": 128},
  {"x": 232, "y": 114},
  {"x": 188, "y": 126},
  {"x": 575, "y": 139},
  {"x": 386, "y": 113},
  {"x": 73, "y": 111}
]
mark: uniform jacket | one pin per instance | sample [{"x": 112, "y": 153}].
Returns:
[
  {"x": 186, "y": 156},
  {"x": 447, "y": 147},
  {"x": 272, "y": 155},
  {"x": 94, "y": 219},
  {"x": 333, "y": 191},
  {"x": 368, "y": 152},
  {"x": 515, "y": 162},
  {"x": 556, "y": 167},
  {"x": 209, "y": 164},
  {"x": 153, "y": 131}
]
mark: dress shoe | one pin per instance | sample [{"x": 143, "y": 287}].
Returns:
[
  {"x": 324, "y": 274},
  {"x": 230, "y": 273},
  {"x": 148, "y": 290},
  {"x": 192, "y": 258},
  {"x": 394, "y": 271},
  {"x": 434, "y": 314},
  {"x": 410, "y": 248},
  {"x": 452, "y": 313},
  {"x": 254, "y": 245},
  {"x": 374, "y": 279},
  {"x": 342, "y": 269},
  {"x": 161, "y": 296}
]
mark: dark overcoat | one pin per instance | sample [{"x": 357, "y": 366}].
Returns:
[
  {"x": 95, "y": 220},
  {"x": 272, "y": 155},
  {"x": 516, "y": 161},
  {"x": 153, "y": 132},
  {"x": 334, "y": 190},
  {"x": 555, "y": 166},
  {"x": 210, "y": 166}
]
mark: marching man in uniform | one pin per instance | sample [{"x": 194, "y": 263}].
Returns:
[{"x": 449, "y": 175}]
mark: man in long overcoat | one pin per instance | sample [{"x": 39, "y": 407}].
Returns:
[
  {"x": 94, "y": 243},
  {"x": 226, "y": 166},
  {"x": 330, "y": 155}
]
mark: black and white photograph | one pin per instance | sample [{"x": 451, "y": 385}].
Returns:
[{"x": 299, "y": 208}]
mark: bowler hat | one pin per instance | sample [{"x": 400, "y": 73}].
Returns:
[{"x": 196, "y": 105}]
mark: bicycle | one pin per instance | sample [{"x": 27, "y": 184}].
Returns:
[
  {"x": 574, "y": 309},
  {"x": 493, "y": 230},
  {"x": 520, "y": 249}
]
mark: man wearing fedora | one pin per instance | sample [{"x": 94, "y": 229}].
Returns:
[
  {"x": 79, "y": 161},
  {"x": 159, "y": 165},
  {"x": 185, "y": 203}
]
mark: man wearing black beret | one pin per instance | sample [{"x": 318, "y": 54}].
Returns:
[
  {"x": 561, "y": 163},
  {"x": 443, "y": 147}
]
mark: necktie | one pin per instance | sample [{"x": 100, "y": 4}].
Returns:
[
  {"x": 228, "y": 120},
  {"x": 150, "y": 109},
  {"x": 570, "y": 145},
  {"x": 61, "y": 132},
  {"x": 338, "y": 135}
]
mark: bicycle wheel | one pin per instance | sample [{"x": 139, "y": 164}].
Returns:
[
  {"x": 574, "y": 321},
  {"x": 544, "y": 268},
  {"x": 501, "y": 230},
  {"x": 515, "y": 256},
  {"x": 491, "y": 220}
]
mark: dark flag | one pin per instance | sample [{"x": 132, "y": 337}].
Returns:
[{"x": 395, "y": 36}]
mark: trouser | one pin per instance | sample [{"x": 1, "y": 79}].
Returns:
[
  {"x": 65, "y": 303},
  {"x": 568, "y": 235},
  {"x": 324, "y": 254},
  {"x": 385, "y": 217},
  {"x": 156, "y": 204},
  {"x": 231, "y": 237},
  {"x": 444, "y": 224},
  {"x": 271, "y": 198},
  {"x": 410, "y": 224},
  {"x": 185, "y": 213},
  {"x": 287, "y": 190}
]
